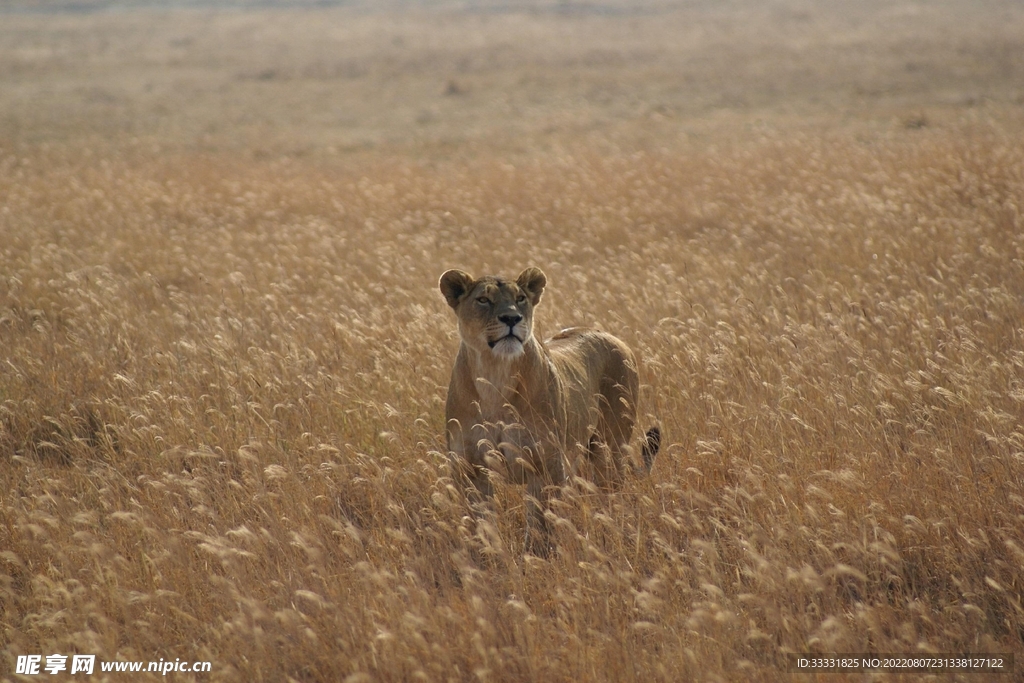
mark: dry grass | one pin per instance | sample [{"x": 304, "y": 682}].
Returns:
[
  {"x": 222, "y": 371},
  {"x": 222, "y": 406}
]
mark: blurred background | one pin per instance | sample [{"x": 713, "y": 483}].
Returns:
[{"x": 437, "y": 79}]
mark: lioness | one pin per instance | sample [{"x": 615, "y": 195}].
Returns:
[{"x": 538, "y": 412}]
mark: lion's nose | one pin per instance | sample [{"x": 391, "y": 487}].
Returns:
[{"x": 510, "y": 319}]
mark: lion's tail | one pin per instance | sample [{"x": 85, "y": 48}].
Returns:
[{"x": 650, "y": 446}]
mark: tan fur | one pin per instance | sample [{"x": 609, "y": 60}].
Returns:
[{"x": 536, "y": 412}]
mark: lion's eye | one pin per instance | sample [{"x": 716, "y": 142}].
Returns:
[
  {"x": 483, "y": 300},
  {"x": 521, "y": 299}
]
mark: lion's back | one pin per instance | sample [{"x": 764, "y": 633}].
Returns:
[
  {"x": 595, "y": 359},
  {"x": 588, "y": 344}
]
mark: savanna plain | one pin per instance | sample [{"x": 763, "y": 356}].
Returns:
[{"x": 224, "y": 357}]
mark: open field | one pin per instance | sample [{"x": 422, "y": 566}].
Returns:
[
  {"x": 489, "y": 80},
  {"x": 223, "y": 355}
]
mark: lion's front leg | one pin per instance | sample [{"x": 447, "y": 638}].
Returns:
[
  {"x": 543, "y": 478},
  {"x": 468, "y": 449},
  {"x": 480, "y": 491},
  {"x": 538, "y": 538}
]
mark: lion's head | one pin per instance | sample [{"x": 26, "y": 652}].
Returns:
[{"x": 495, "y": 315}]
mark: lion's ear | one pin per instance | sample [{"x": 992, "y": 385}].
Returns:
[
  {"x": 532, "y": 281},
  {"x": 454, "y": 284}
]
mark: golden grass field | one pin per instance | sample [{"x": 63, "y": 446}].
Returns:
[{"x": 223, "y": 354}]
